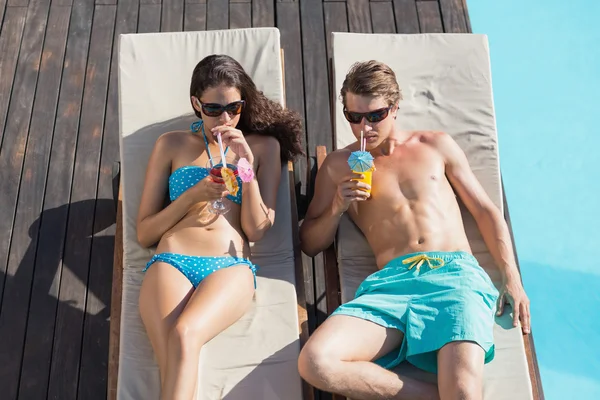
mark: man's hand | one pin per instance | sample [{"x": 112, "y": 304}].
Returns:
[
  {"x": 349, "y": 190},
  {"x": 512, "y": 292}
]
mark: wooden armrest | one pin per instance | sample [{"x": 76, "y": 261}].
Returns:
[{"x": 332, "y": 281}]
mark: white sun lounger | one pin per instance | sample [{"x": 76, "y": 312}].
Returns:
[
  {"x": 256, "y": 358},
  {"x": 446, "y": 84}
]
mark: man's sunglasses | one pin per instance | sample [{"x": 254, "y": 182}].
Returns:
[
  {"x": 215, "y": 110},
  {"x": 371, "y": 116}
]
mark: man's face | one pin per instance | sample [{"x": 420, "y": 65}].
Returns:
[{"x": 376, "y": 109}]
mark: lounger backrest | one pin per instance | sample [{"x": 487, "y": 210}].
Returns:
[{"x": 445, "y": 81}]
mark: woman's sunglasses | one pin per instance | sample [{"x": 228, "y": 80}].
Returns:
[
  {"x": 215, "y": 110},
  {"x": 371, "y": 116}
]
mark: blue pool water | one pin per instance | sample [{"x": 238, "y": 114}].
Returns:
[{"x": 545, "y": 58}]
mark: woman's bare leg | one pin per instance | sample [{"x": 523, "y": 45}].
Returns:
[
  {"x": 219, "y": 301},
  {"x": 164, "y": 293}
]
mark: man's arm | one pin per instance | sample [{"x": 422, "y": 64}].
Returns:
[
  {"x": 329, "y": 202},
  {"x": 491, "y": 224}
]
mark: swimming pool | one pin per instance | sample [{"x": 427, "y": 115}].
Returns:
[{"x": 545, "y": 58}]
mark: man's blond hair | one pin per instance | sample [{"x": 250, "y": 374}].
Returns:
[{"x": 372, "y": 78}]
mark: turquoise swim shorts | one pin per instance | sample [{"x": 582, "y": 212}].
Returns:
[{"x": 434, "y": 298}]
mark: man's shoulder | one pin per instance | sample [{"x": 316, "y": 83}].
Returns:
[
  {"x": 437, "y": 140},
  {"x": 337, "y": 158},
  {"x": 430, "y": 137}
]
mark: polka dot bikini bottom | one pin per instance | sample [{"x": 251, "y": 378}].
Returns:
[{"x": 197, "y": 268}]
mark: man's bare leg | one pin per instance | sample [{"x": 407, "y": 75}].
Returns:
[
  {"x": 460, "y": 371},
  {"x": 338, "y": 358}
]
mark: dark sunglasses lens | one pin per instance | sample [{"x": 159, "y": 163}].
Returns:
[
  {"x": 378, "y": 115},
  {"x": 234, "y": 108},
  {"x": 212, "y": 110},
  {"x": 353, "y": 118}
]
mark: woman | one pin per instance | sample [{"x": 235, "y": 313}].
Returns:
[{"x": 200, "y": 280}]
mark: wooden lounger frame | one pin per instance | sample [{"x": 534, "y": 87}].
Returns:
[
  {"x": 333, "y": 293},
  {"x": 117, "y": 282}
]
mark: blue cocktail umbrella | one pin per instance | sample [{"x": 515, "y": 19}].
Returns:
[{"x": 360, "y": 161}]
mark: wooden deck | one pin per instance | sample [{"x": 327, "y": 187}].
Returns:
[{"x": 59, "y": 141}]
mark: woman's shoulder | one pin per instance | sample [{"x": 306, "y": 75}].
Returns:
[
  {"x": 262, "y": 143},
  {"x": 173, "y": 140}
]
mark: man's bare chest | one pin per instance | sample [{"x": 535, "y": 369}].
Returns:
[{"x": 410, "y": 175}]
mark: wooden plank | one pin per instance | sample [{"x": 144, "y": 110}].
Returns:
[
  {"x": 316, "y": 83},
  {"x": 17, "y": 285},
  {"x": 151, "y": 2},
  {"x": 359, "y": 16},
  {"x": 149, "y": 20},
  {"x": 317, "y": 121},
  {"x": 453, "y": 16},
  {"x": 240, "y": 1},
  {"x": 430, "y": 19},
  {"x": 382, "y": 15},
  {"x": 172, "y": 16},
  {"x": 2, "y": 9},
  {"x": 288, "y": 22},
  {"x": 194, "y": 2},
  {"x": 195, "y": 17},
  {"x": 115, "y": 303},
  {"x": 94, "y": 378},
  {"x": 10, "y": 43},
  {"x": 467, "y": 18},
  {"x": 336, "y": 20},
  {"x": 67, "y": 348},
  {"x": 217, "y": 14},
  {"x": 407, "y": 20},
  {"x": 240, "y": 15},
  {"x": 263, "y": 13},
  {"x": 302, "y": 263},
  {"x": 56, "y": 200},
  {"x": 18, "y": 3},
  {"x": 106, "y": 2},
  {"x": 36, "y": 356}
]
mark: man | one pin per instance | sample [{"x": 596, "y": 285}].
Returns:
[{"x": 430, "y": 303}]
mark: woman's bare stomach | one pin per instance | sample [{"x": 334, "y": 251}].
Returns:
[{"x": 204, "y": 234}]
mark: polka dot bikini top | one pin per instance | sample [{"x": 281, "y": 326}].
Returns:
[{"x": 185, "y": 177}]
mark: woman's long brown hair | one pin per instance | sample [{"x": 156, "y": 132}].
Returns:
[{"x": 260, "y": 115}]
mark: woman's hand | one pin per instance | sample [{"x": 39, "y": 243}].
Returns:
[
  {"x": 234, "y": 138},
  {"x": 208, "y": 190}
]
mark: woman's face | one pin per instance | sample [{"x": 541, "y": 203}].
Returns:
[{"x": 219, "y": 105}]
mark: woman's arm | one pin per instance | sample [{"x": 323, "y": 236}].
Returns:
[
  {"x": 153, "y": 221},
  {"x": 260, "y": 195}
]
